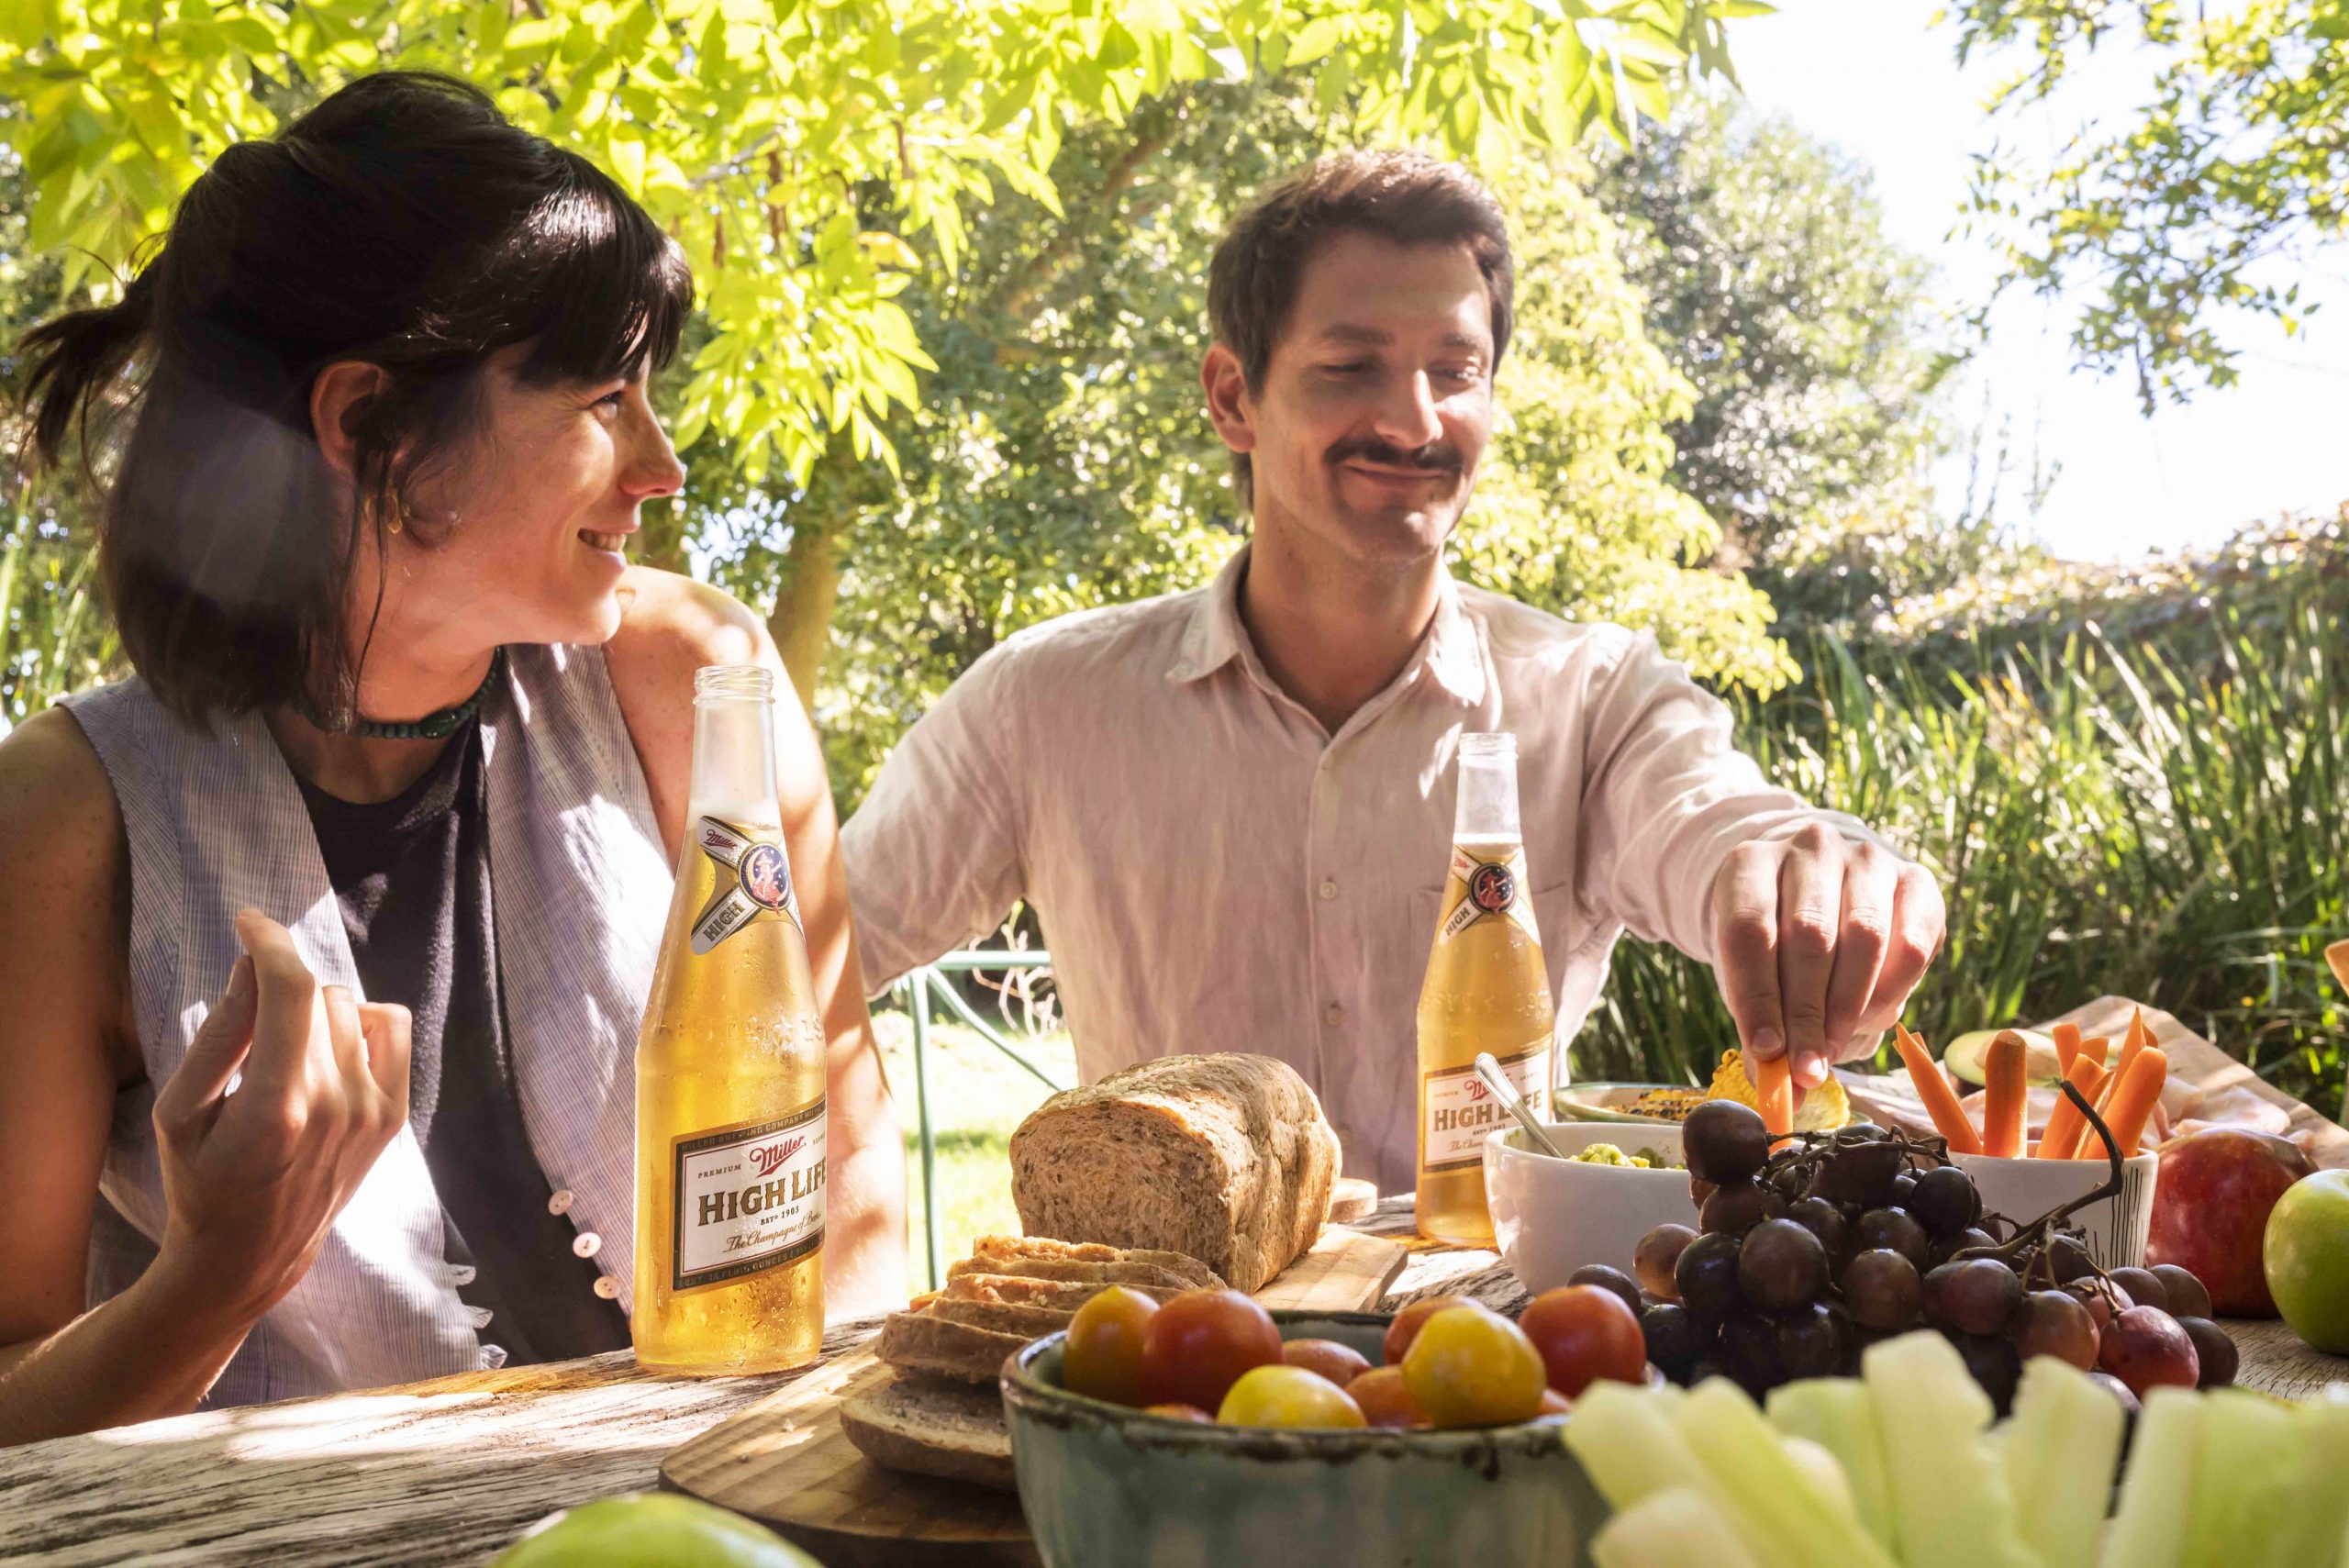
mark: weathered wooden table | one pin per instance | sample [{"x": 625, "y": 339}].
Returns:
[{"x": 449, "y": 1471}]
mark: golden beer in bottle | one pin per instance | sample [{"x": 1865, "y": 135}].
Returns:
[
  {"x": 729, "y": 1073},
  {"x": 1486, "y": 990}
]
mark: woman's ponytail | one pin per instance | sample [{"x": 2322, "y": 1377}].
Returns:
[{"x": 77, "y": 358}]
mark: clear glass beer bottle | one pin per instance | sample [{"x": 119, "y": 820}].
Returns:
[
  {"x": 1486, "y": 989},
  {"x": 729, "y": 1073}
]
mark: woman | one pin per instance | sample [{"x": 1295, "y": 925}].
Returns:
[{"x": 387, "y": 435}]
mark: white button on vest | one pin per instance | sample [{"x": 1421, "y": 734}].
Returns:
[
  {"x": 607, "y": 1287},
  {"x": 587, "y": 1244},
  {"x": 561, "y": 1202}
]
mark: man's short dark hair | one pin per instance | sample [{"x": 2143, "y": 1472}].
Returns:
[{"x": 1404, "y": 198}]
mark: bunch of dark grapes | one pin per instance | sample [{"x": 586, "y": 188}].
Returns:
[{"x": 1804, "y": 1257}]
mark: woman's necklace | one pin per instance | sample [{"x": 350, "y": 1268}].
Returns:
[{"x": 437, "y": 725}]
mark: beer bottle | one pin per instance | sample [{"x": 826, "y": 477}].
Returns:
[
  {"x": 1486, "y": 990},
  {"x": 729, "y": 1073}
]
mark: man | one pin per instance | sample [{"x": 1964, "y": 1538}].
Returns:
[{"x": 1232, "y": 807}]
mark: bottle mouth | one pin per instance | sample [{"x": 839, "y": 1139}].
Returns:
[
  {"x": 754, "y": 682},
  {"x": 1497, "y": 743}
]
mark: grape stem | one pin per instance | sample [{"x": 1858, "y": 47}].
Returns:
[{"x": 2041, "y": 1232}]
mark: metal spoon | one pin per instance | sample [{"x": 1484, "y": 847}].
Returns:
[{"x": 1490, "y": 1071}]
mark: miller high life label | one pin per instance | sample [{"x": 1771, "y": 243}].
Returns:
[
  {"x": 749, "y": 1198},
  {"x": 755, "y": 877},
  {"x": 1461, "y": 1110},
  {"x": 1491, "y": 890}
]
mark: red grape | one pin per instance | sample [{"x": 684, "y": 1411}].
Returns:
[
  {"x": 2214, "y": 1352},
  {"x": 2051, "y": 1323},
  {"x": 2186, "y": 1296},
  {"x": 1658, "y": 1250},
  {"x": 2144, "y": 1287},
  {"x": 1977, "y": 1296},
  {"x": 1882, "y": 1290},
  {"x": 2145, "y": 1348}
]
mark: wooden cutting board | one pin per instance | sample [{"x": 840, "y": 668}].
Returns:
[{"x": 784, "y": 1460}]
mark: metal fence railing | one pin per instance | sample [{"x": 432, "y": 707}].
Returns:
[{"x": 921, "y": 988}]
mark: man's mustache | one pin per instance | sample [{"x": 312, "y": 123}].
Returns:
[{"x": 1436, "y": 457}]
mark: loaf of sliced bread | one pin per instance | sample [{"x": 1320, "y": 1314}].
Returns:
[
  {"x": 1227, "y": 1159},
  {"x": 1019, "y": 1250},
  {"x": 932, "y": 1428}
]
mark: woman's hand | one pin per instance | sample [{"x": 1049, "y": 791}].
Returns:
[{"x": 254, "y": 1176}]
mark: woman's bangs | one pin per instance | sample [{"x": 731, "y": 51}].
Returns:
[{"x": 608, "y": 291}]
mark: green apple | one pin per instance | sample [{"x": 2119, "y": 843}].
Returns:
[
  {"x": 651, "y": 1530},
  {"x": 2307, "y": 1257}
]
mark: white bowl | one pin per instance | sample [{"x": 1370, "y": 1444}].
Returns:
[
  {"x": 2023, "y": 1190},
  {"x": 1553, "y": 1216}
]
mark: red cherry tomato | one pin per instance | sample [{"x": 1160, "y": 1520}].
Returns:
[
  {"x": 1340, "y": 1363},
  {"x": 1385, "y": 1399},
  {"x": 1584, "y": 1332},
  {"x": 1406, "y": 1326},
  {"x": 1103, "y": 1357},
  {"x": 1197, "y": 1346}
]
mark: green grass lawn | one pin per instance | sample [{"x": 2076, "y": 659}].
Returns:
[{"x": 977, "y": 1097}]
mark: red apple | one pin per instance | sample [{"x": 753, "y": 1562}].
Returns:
[{"x": 2210, "y": 1205}]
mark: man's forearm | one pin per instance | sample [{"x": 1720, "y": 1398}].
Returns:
[{"x": 152, "y": 1351}]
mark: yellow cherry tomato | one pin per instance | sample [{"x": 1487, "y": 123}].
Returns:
[
  {"x": 1287, "y": 1396},
  {"x": 1472, "y": 1367}
]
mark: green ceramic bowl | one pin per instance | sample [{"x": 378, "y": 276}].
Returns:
[{"x": 1106, "y": 1487}]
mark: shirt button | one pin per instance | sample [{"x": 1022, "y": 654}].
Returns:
[
  {"x": 561, "y": 1202},
  {"x": 586, "y": 1244},
  {"x": 1329, "y": 889},
  {"x": 607, "y": 1287},
  {"x": 1332, "y": 1014}
]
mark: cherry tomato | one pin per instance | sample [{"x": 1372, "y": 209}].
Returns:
[
  {"x": 1104, "y": 1355},
  {"x": 1178, "y": 1412},
  {"x": 1472, "y": 1367},
  {"x": 1408, "y": 1322},
  {"x": 1197, "y": 1346},
  {"x": 1287, "y": 1396},
  {"x": 1340, "y": 1363},
  {"x": 1584, "y": 1332},
  {"x": 1385, "y": 1401}
]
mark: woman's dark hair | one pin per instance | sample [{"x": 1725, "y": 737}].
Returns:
[
  {"x": 1404, "y": 198},
  {"x": 404, "y": 222}
]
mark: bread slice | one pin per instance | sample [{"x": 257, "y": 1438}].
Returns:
[
  {"x": 932, "y": 1428},
  {"x": 1075, "y": 1270},
  {"x": 918, "y": 1343},
  {"x": 1066, "y": 1295},
  {"x": 1004, "y": 1316},
  {"x": 1227, "y": 1159},
  {"x": 1023, "y": 1249}
]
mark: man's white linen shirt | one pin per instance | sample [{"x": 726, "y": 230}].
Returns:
[{"x": 1214, "y": 872}]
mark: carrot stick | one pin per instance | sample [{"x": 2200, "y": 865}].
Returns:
[
  {"x": 1933, "y": 1088},
  {"x": 2094, "y": 1049},
  {"x": 2137, "y": 1029},
  {"x": 2065, "y": 1124},
  {"x": 2067, "y": 1046},
  {"x": 2007, "y": 1069},
  {"x": 2134, "y": 1100},
  {"x": 2129, "y": 1054},
  {"x": 1774, "y": 1087}
]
